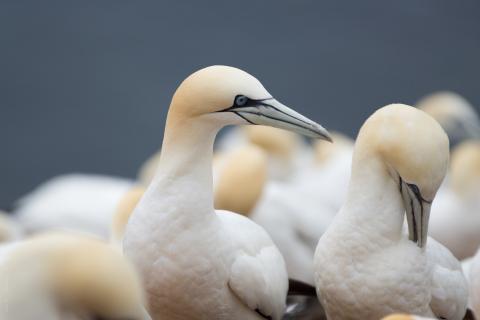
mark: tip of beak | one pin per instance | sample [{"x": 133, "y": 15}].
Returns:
[
  {"x": 323, "y": 134},
  {"x": 328, "y": 138}
]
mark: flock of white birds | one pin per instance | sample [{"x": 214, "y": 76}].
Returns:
[{"x": 383, "y": 227}]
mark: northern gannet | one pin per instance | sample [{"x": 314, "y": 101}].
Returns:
[
  {"x": 454, "y": 113},
  {"x": 455, "y": 221},
  {"x": 65, "y": 276},
  {"x": 79, "y": 202},
  {"x": 365, "y": 267},
  {"x": 199, "y": 263}
]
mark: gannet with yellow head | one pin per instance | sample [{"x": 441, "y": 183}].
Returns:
[
  {"x": 365, "y": 267},
  {"x": 454, "y": 113},
  {"x": 456, "y": 215},
  {"x": 199, "y": 263},
  {"x": 67, "y": 276}
]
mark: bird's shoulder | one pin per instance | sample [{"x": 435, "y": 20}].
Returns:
[{"x": 244, "y": 233}]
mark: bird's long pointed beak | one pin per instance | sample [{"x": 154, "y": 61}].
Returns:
[
  {"x": 270, "y": 112},
  {"x": 417, "y": 210}
]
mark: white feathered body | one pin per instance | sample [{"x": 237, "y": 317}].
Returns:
[
  {"x": 366, "y": 268},
  {"x": 79, "y": 202},
  {"x": 202, "y": 265},
  {"x": 295, "y": 222},
  {"x": 327, "y": 183},
  {"x": 455, "y": 223}
]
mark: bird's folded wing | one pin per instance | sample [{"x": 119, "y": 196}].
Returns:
[
  {"x": 260, "y": 282},
  {"x": 449, "y": 286},
  {"x": 449, "y": 293}
]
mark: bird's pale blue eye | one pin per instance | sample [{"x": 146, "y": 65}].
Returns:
[{"x": 241, "y": 100}]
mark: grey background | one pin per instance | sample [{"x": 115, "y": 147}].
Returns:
[{"x": 85, "y": 85}]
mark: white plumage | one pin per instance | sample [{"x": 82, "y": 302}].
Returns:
[
  {"x": 198, "y": 263},
  {"x": 472, "y": 266},
  {"x": 80, "y": 202},
  {"x": 67, "y": 276},
  {"x": 365, "y": 267},
  {"x": 296, "y": 213},
  {"x": 455, "y": 218}
]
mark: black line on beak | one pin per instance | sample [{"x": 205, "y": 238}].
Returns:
[
  {"x": 240, "y": 115},
  {"x": 421, "y": 200}
]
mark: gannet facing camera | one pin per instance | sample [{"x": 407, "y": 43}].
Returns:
[
  {"x": 365, "y": 267},
  {"x": 456, "y": 215},
  {"x": 454, "y": 113},
  {"x": 64, "y": 276},
  {"x": 198, "y": 263}
]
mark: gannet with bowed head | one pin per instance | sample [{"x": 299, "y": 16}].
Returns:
[
  {"x": 454, "y": 113},
  {"x": 365, "y": 267},
  {"x": 455, "y": 218},
  {"x": 198, "y": 263},
  {"x": 68, "y": 276}
]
